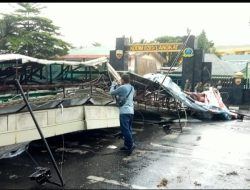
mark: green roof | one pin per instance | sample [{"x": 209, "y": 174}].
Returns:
[
  {"x": 221, "y": 67},
  {"x": 236, "y": 57}
]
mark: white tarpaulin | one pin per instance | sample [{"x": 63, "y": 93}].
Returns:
[
  {"x": 27, "y": 59},
  {"x": 212, "y": 99}
]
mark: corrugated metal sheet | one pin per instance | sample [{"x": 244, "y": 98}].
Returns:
[{"x": 27, "y": 59}]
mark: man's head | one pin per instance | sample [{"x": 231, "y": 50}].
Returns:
[{"x": 125, "y": 79}]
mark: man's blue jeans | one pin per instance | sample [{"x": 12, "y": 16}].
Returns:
[{"x": 126, "y": 128}]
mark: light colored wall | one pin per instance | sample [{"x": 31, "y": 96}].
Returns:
[{"x": 18, "y": 128}]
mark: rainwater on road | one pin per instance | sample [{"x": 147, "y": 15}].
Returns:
[{"x": 204, "y": 155}]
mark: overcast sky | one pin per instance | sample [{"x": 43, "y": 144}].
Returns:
[{"x": 85, "y": 23}]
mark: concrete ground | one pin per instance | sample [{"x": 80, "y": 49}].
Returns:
[{"x": 205, "y": 155}]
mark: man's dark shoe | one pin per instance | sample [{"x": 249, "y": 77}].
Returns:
[
  {"x": 124, "y": 148},
  {"x": 128, "y": 149},
  {"x": 131, "y": 149}
]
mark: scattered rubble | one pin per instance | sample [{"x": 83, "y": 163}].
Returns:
[
  {"x": 197, "y": 184},
  {"x": 85, "y": 145},
  {"x": 232, "y": 173},
  {"x": 13, "y": 176},
  {"x": 71, "y": 150},
  {"x": 179, "y": 179},
  {"x": 112, "y": 147},
  {"x": 163, "y": 183}
]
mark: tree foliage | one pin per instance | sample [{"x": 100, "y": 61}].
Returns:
[
  {"x": 27, "y": 33},
  {"x": 170, "y": 39},
  {"x": 202, "y": 43},
  {"x": 205, "y": 44}
]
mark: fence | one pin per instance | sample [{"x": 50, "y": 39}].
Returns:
[
  {"x": 226, "y": 81},
  {"x": 227, "y": 87}
]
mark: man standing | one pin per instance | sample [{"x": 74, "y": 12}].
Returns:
[
  {"x": 187, "y": 86},
  {"x": 126, "y": 91},
  {"x": 198, "y": 88},
  {"x": 206, "y": 86},
  {"x": 219, "y": 85}
]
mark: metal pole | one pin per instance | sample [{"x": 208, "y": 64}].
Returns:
[
  {"x": 40, "y": 132},
  {"x": 176, "y": 58},
  {"x": 248, "y": 81},
  {"x": 247, "y": 70}
]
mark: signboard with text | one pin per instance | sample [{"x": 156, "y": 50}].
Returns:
[{"x": 162, "y": 47}]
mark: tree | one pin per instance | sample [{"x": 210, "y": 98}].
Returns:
[
  {"x": 6, "y": 29},
  {"x": 170, "y": 39},
  {"x": 26, "y": 33},
  {"x": 205, "y": 44}
]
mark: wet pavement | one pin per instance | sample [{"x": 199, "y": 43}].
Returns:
[{"x": 205, "y": 155}]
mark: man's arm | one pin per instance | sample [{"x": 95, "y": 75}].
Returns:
[{"x": 116, "y": 91}]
